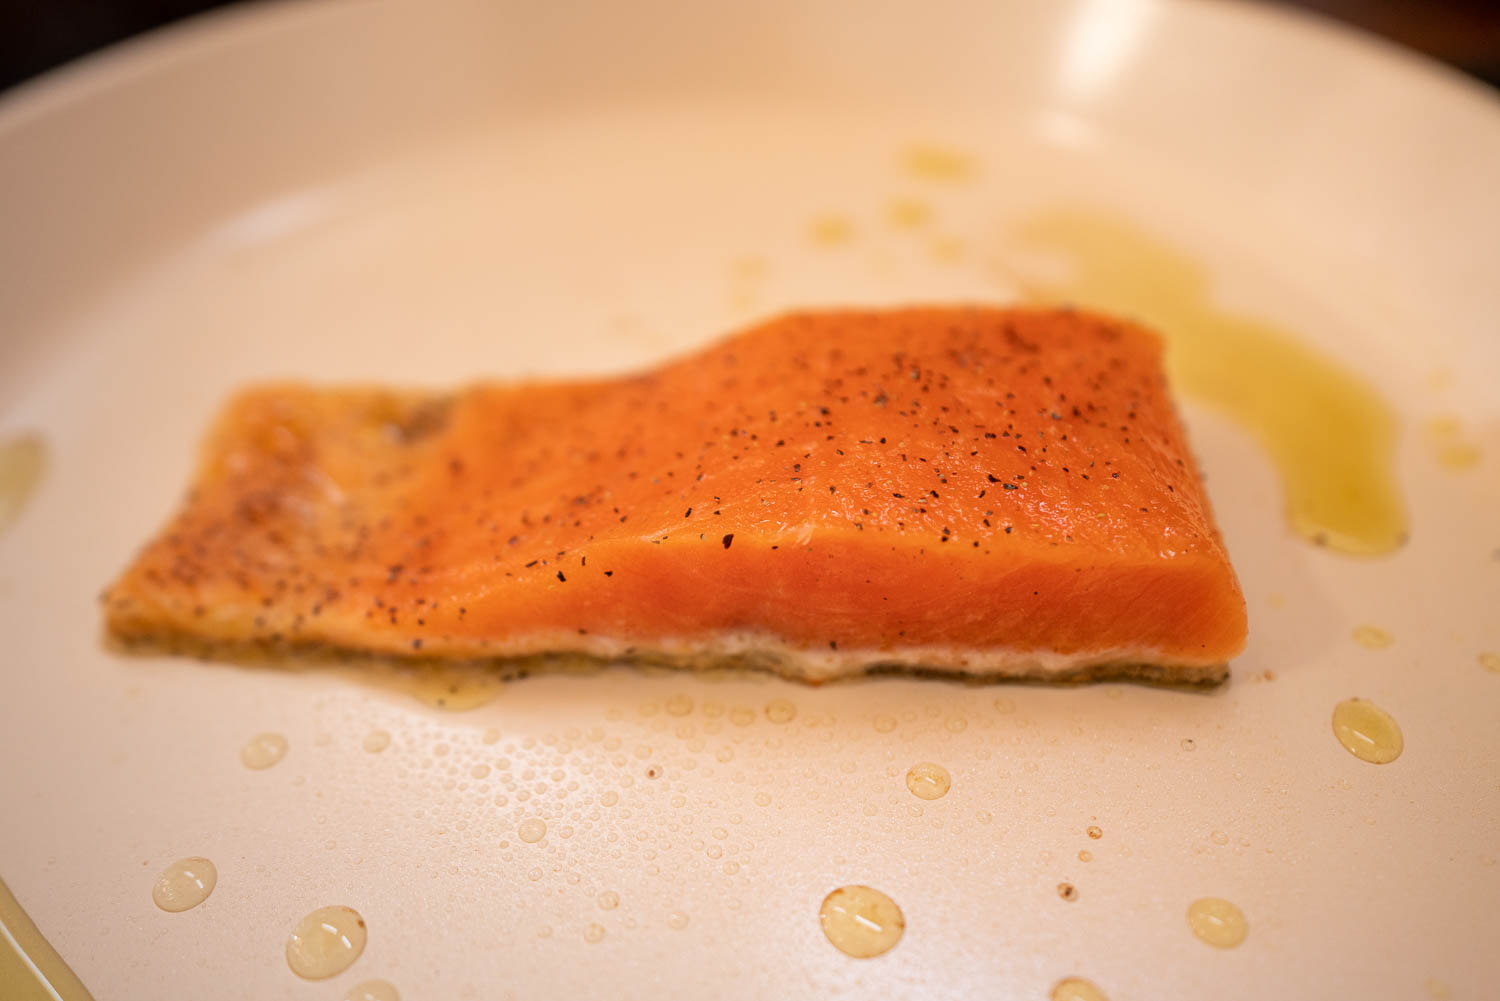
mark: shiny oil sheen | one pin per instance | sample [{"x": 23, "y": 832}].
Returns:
[{"x": 1330, "y": 436}]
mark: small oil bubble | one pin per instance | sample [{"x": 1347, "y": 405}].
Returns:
[
  {"x": 1217, "y": 922},
  {"x": 1367, "y": 731},
  {"x": 1084, "y": 855},
  {"x": 184, "y": 884},
  {"x": 1373, "y": 637},
  {"x": 677, "y": 920},
  {"x": 1095, "y": 831},
  {"x": 861, "y": 921},
  {"x": 679, "y": 705},
  {"x": 1005, "y": 705},
  {"x": 373, "y": 990},
  {"x": 532, "y": 830},
  {"x": 927, "y": 780},
  {"x": 1189, "y": 744},
  {"x": 326, "y": 943},
  {"x": 781, "y": 711},
  {"x": 608, "y": 797},
  {"x": 23, "y": 459},
  {"x": 263, "y": 750},
  {"x": 742, "y": 715},
  {"x": 1219, "y": 838},
  {"x": 1490, "y": 661},
  {"x": 376, "y": 741},
  {"x": 884, "y": 723},
  {"x": 1076, "y": 989},
  {"x": 594, "y": 933},
  {"x": 608, "y": 900},
  {"x": 1067, "y": 891},
  {"x": 956, "y": 724},
  {"x": 762, "y": 799},
  {"x": 947, "y": 249},
  {"x": 938, "y": 163},
  {"x": 908, "y": 213},
  {"x": 830, "y": 230}
]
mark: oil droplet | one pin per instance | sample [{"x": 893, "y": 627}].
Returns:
[
  {"x": 532, "y": 830},
  {"x": 452, "y": 686},
  {"x": 937, "y": 163},
  {"x": 780, "y": 711},
  {"x": 908, "y": 213},
  {"x": 263, "y": 750},
  {"x": 326, "y": 942},
  {"x": 956, "y": 724},
  {"x": 593, "y": 933},
  {"x": 609, "y": 900},
  {"x": 1005, "y": 705},
  {"x": 762, "y": 799},
  {"x": 830, "y": 230},
  {"x": 1459, "y": 455},
  {"x": 1219, "y": 838},
  {"x": 22, "y": 461},
  {"x": 861, "y": 921},
  {"x": 1373, "y": 637},
  {"x": 373, "y": 990},
  {"x": 1095, "y": 831},
  {"x": 677, "y": 920},
  {"x": 376, "y": 741},
  {"x": 608, "y": 797},
  {"x": 679, "y": 705},
  {"x": 1084, "y": 855},
  {"x": 1437, "y": 990},
  {"x": 1367, "y": 731},
  {"x": 184, "y": 884},
  {"x": 1067, "y": 891},
  {"x": 1217, "y": 922},
  {"x": 742, "y": 715},
  {"x": 1330, "y": 435},
  {"x": 1490, "y": 661},
  {"x": 927, "y": 780},
  {"x": 1452, "y": 449},
  {"x": 947, "y": 249},
  {"x": 1077, "y": 989},
  {"x": 884, "y": 724}
]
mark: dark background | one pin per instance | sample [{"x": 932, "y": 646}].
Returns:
[{"x": 36, "y": 35}]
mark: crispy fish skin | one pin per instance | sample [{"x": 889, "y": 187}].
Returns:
[{"x": 978, "y": 490}]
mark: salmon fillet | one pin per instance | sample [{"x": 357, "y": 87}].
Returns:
[{"x": 973, "y": 490}]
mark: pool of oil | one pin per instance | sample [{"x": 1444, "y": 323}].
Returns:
[{"x": 1330, "y": 435}]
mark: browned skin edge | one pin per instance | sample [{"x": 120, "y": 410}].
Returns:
[{"x": 292, "y": 656}]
